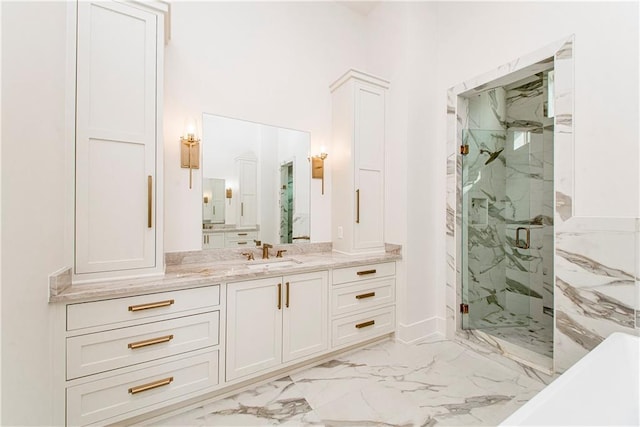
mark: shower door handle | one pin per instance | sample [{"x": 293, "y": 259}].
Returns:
[{"x": 527, "y": 242}]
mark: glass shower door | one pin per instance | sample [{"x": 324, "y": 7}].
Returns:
[{"x": 496, "y": 233}]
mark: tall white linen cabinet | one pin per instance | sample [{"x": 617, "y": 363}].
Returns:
[
  {"x": 357, "y": 160},
  {"x": 118, "y": 147}
]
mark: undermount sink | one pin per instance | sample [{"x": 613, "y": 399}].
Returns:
[{"x": 272, "y": 264}]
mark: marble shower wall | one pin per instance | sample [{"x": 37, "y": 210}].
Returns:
[
  {"x": 529, "y": 198},
  {"x": 507, "y": 184},
  {"x": 484, "y": 185}
]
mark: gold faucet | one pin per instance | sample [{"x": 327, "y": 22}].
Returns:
[
  {"x": 265, "y": 250},
  {"x": 249, "y": 255}
]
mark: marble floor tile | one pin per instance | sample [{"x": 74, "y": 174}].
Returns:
[
  {"x": 521, "y": 330},
  {"x": 385, "y": 384}
]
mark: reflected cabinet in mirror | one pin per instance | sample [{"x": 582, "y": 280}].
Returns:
[{"x": 255, "y": 183}]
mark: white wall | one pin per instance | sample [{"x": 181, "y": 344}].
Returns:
[
  {"x": 270, "y": 63},
  {"x": 401, "y": 46},
  {"x": 33, "y": 201}
]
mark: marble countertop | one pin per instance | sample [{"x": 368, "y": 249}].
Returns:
[
  {"x": 229, "y": 229},
  {"x": 182, "y": 273}
]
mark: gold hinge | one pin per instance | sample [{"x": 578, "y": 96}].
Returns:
[
  {"x": 464, "y": 150},
  {"x": 464, "y": 308}
]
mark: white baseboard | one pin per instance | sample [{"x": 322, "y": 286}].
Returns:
[{"x": 423, "y": 329}]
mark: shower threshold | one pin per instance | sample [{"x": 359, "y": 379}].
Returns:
[{"x": 516, "y": 343}]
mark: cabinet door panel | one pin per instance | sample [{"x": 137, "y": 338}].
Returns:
[
  {"x": 305, "y": 321},
  {"x": 115, "y": 137},
  {"x": 369, "y": 127},
  {"x": 254, "y": 325},
  {"x": 369, "y": 231}
]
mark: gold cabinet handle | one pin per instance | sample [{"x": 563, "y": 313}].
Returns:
[
  {"x": 279, "y": 296},
  {"x": 214, "y": 209},
  {"x": 242, "y": 209},
  {"x": 242, "y": 243},
  {"x": 358, "y": 206},
  {"x": 367, "y": 295},
  {"x": 150, "y": 386},
  {"x": 287, "y": 296},
  {"x": 149, "y": 201},
  {"x": 152, "y": 341},
  {"x": 365, "y": 272},
  {"x": 150, "y": 305},
  {"x": 365, "y": 324},
  {"x": 242, "y": 234}
]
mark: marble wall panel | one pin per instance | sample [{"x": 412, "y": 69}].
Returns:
[{"x": 596, "y": 289}]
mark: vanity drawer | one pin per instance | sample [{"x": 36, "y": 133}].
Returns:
[
  {"x": 240, "y": 244},
  {"x": 363, "y": 272},
  {"x": 108, "y": 312},
  {"x": 241, "y": 235},
  {"x": 361, "y": 327},
  {"x": 114, "y": 396},
  {"x": 362, "y": 296},
  {"x": 103, "y": 351}
]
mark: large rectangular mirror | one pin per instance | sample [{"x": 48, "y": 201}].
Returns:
[{"x": 256, "y": 183}]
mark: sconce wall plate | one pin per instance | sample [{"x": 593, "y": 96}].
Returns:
[
  {"x": 317, "y": 168},
  {"x": 190, "y": 155},
  {"x": 194, "y": 147}
]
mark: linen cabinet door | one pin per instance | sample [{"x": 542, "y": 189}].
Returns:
[
  {"x": 116, "y": 125},
  {"x": 254, "y": 326},
  {"x": 369, "y": 166},
  {"x": 305, "y": 315}
]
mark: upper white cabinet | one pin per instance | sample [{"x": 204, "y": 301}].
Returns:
[
  {"x": 118, "y": 140},
  {"x": 358, "y": 137}
]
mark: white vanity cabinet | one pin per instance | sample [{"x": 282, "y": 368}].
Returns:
[
  {"x": 213, "y": 240},
  {"x": 127, "y": 356},
  {"x": 358, "y": 137},
  {"x": 362, "y": 303},
  {"x": 118, "y": 147},
  {"x": 275, "y": 320}
]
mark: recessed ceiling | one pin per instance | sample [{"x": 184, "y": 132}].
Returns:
[{"x": 361, "y": 7}]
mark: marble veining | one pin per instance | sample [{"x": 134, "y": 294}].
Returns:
[
  {"x": 195, "y": 269},
  {"x": 385, "y": 384},
  {"x": 60, "y": 281}
]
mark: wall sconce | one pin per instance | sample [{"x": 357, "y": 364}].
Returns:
[
  {"x": 317, "y": 166},
  {"x": 229, "y": 194},
  {"x": 190, "y": 149},
  {"x": 205, "y": 199}
]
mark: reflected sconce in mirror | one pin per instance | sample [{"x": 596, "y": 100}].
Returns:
[
  {"x": 229, "y": 194},
  {"x": 190, "y": 150},
  {"x": 205, "y": 200},
  {"x": 317, "y": 166}
]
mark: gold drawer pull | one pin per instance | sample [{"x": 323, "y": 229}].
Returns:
[
  {"x": 158, "y": 304},
  {"x": 365, "y": 272},
  {"x": 358, "y": 206},
  {"x": 279, "y": 296},
  {"x": 367, "y": 295},
  {"x": 150, "y": 386},
  {"x": 149, "y": 342},
  {"x": 287, "y": 295},
  {"x": 242, "y": 243},
  {"x": 365, "y": 324},
  {"x": 242, "y": 234}
]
